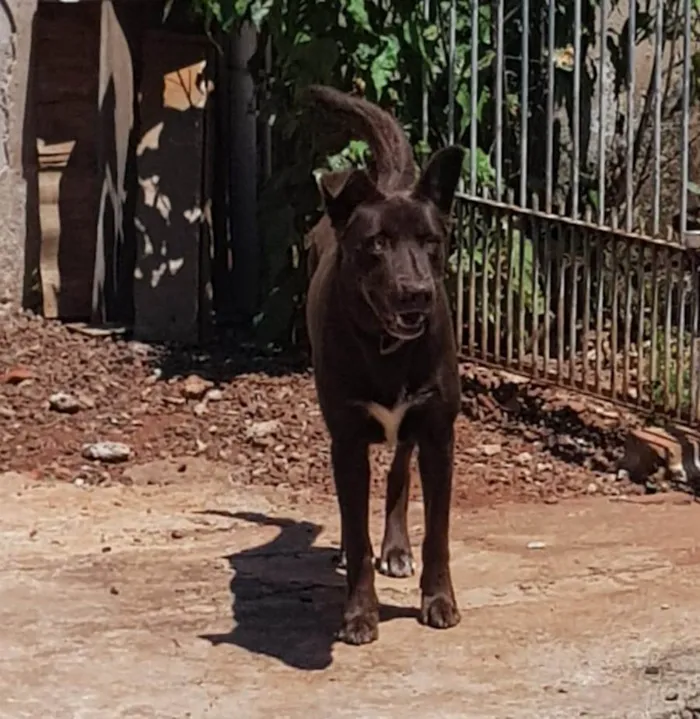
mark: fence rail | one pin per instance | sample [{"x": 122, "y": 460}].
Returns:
[
  {"x": 581, "y": 270},
  {"x": 599, "y": 310}
]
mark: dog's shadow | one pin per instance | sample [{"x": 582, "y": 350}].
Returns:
[{"x": 288, "y": 596}]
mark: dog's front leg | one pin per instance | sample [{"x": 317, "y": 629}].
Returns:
[
  {"x": 435, "y": 459},
  {"x": 396, "y": 559},
  {"x": 352, "y": 478}
]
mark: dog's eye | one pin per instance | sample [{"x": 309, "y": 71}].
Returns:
[{"x": 375, "y": 245}]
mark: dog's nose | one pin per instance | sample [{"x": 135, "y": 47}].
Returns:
[{"x": 416, "y": 297}]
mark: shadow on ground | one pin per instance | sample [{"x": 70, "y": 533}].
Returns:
[
  {"x": 567, "y": 434},
  {"x": 226, "y": 357},
  {"x": 288, "y": 596}
]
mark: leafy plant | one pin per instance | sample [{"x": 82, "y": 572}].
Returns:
[{"x": 390, "y": 52}]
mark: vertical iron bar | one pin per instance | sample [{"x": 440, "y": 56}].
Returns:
[
  {"x": 641, "y": 287},
  {"x": 472, "y": 277},
  {"x": 500, "y": 22},
  {"x": 425, "y": 109},
  {"x": 488, "y": 227},
  {"x": 498, "y": 292},
  {"x": 510, "y": 283},
  {"x": 654, "y": 324},
  {"x": 521, "y": 291},
  {"x": 615, "y": 317},
  {"x": 629, "y": 184},
  {"x": 459, "y": 313},
  {"x": 600, "y": 263},
  {"x": 680, "y": 362},
  {"x": 602, "y": 109},
  {"x": 586, "y": 330},
  {"x": 524, "y": 100},
  {"x": 573, "y": 294},
  {"x": 547, "y": 255},
  {"x": 549, "y": 166},
  {"x": 628, "y": 323},
  {"x": 658, "y": 61},
  {"x": 685, "y": 116},
  {"x": 535, "y": 283},
  {"x": 561, "y": 286},
  {"x": 695, "y": 299},
  {"x": 473, "y": 99},
  {"x": 576, "y": 155},
  {"x": 452, "y": 51},
  {"x": 667, "y": 330}
]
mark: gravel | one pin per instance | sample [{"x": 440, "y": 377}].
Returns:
[{"x": 129, "y": 402}]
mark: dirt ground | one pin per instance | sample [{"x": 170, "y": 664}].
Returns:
[
  {"x": 192, "y": 574},
  {"x": 187, "y": 595},
  {"x": 61, "y": 389}
]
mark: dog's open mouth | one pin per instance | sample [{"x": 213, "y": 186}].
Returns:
[{"x": 407, "y": 325}]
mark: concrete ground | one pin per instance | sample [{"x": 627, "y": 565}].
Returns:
[{"x": 117, "y": 602}]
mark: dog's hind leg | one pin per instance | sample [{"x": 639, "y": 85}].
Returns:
[{"x": 396, "y": 559}]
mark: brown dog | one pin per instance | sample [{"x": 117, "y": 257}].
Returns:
[{"x": 383, "y": 353}]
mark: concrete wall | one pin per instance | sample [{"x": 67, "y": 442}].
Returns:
[{"x": 15, "y": 44}]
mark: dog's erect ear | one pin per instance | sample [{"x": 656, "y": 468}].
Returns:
[
  {"x": 331, "y": 183},
  {"x": 439, "y": 179},
  {"x": 344, "y": 191}
]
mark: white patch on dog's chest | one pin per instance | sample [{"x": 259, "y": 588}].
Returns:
[{"x": 390, "y": 419}]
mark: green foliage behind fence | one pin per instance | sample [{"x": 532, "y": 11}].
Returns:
[{"x": 390, "y": 51}]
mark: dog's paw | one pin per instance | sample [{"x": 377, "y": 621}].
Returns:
[
  {"x": 439, "y": 611},
  {"x": 396, "y": 562},
  {"x": 360, "y": 629}
]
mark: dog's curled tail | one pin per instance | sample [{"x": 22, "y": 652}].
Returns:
[{"x": 391, "y": 150}]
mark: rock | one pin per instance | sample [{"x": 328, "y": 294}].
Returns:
[
  {"x": 177, "y": 534},
  {"x": 200, "y": 446},
  {"x": 17, "y": 375},
  {"x": 7, "y": 412},
  {"x": 195, "y": 387},
  {"x": 490, "y": 450},
  {"x": 592, "y": 488},
  {"x": 214, "y": 395},
  {"x": 200, "y": 409},
  {"x": 692, "y": 703},
  {"x": 86, "y": 402},
  {"x": 64, "y": 403},
  {"x": 111, "y": 452},
  {"x": 262, "y": 430},
  {"x": 524, "y": 458},
  {"x": 536, "y": 545},
  {"x": 671, "y": 696}
]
